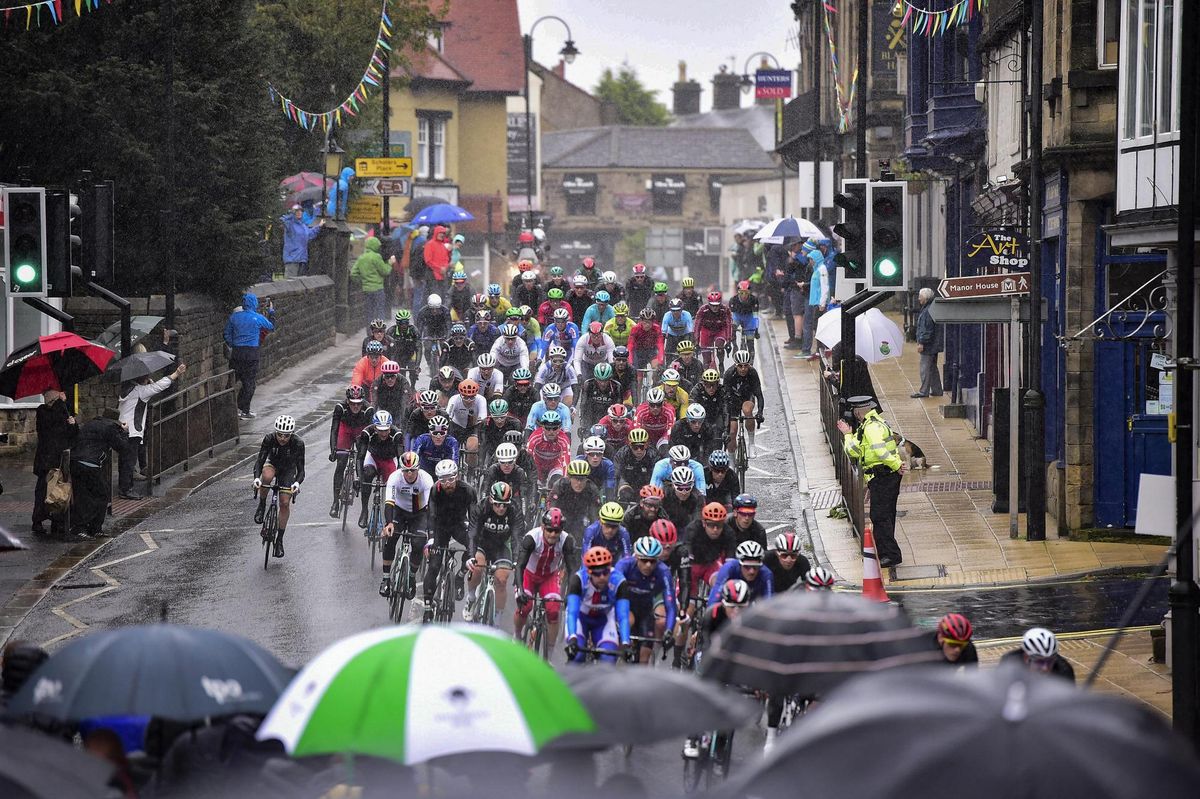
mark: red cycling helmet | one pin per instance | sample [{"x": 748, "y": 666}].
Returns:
[
  {"x": 714, "y": 298},
  {"x": 552, "y": 519},
  {"x": 663, "y": 531},
  {"x": 526, "y": 237},
  {"x": 589, "y": 263},
  {"x": 955, "y": 628}
]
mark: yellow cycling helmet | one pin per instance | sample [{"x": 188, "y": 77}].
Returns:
[
  {"x": 612, "y": 513},
  {"x": 579, "y": 469},
  {"x": 639, "y": 435}
]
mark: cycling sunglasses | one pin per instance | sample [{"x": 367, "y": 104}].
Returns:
[{"x": 602, "y": 572}]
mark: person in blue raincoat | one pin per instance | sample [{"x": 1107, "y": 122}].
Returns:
[{"x": 297, "y": 233}]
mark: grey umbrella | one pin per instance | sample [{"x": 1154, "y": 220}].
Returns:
[
  {"x": 140, "y": 364},
  {"x": 33, "y": 764},
  {"x": 1006, "y": 732},
  {"x": 806, "y": 642},
  {"x": 139, "y": 328},
  {"x": 9, "y": 542},
  {"x": 642, "y": 706}
]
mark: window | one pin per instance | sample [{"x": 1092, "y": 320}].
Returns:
[
  {"x": 1108, "y": 31},
  {"x": 1150, "y": 85},
  {"x": 431, "y": 146},
  {"x": 667, "y": 193},
  {"x": 436, "y": 38},
  {"x": 580, "y": 189}
]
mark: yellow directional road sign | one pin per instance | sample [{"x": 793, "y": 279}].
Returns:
[
  {"x": 365, "y": 210},
  {"x": 383, "y": 167}
]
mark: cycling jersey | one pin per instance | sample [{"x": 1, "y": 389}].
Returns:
[
  {"x": 632, "y": 470},
  {"x": 452, "y": 510},
  {"x": 616, "y": 291},
  {"x": 755, "y": 532},
  {"x": 492, "y": 432},
  {"x": 601, "y": 616},
  {"x": 603, "y": 476},
  {"x": 761, "y": 587},
  {"x": 460, "y": 354},
  {"x": 618, "y": 330},
  {"x": 638, "y": 292},
  {"x": 715, "y": 320},
  {"x": 643, "y": 588},
  {"x": 579, "y": 508},
  {"x": 682, "y": 512},
  {"x": 597, "y": 313},
  {"x": 645, "y": 343},
  {"x": 742, "y": 388},
  {"x": 517, "y": 479},
  {"x": 387, "y": 343},
  {"x": 716, "y": 407},
  {"x": 542, "y": 560},
  {"x": 690, "y": 299},
  {"x": 551, "y": 453},
  {"x": 379, "y": 448},
  {"x": 415, "y": 425},
  {"x": 433, "y": 322},
  {"x": 287, "y": 458},
  {"x": 783, "y": 579},
  {"x": 530, "y": 295},
  {"x": 689, "y": 373},
  {"x": 661, "y": 476},
  {"x": 498, "y": 306},
  {"x": 565, "y": 376},
  {"x": 638, "y": 522},
  {"x": 520, "y": 401},
  {"x": 406, "y": 344},
  {"x": 347, "y": 424},
  {"x": 579, "y": 303},
  {"x": 407, "y": 496},
  {"x": 724, "y": 491},
  {"x": 616, "y": 432},
  {"x": 564, "y": 334},
  {"x": 707, "y": 553},
  {"x": 656, "y": 421},
  {"x": 491, "y": 385},
  {"x": 699, "y": 443},
  {"x": 495, "y": 534},
  {"x": 677, "y": 400},
  {"x": 459, "y": 300},
  {"x": 466, "y": 413},
  {"x": 589, "y": 352},
  {"x": 618, "y": 545},
  {"x": 511, "y": 353},
  {"x": 430, "y": 453},
  {"x": 483, "y": 336},
  {"x": 366, "y": 373},
  {"x": 392, "y": 398},
  {"x": 539, "y": 409},
  {"x": 545, "y": 312},
  {"x": 744, "y": 312},
  {"x": 677, "y": 325}
]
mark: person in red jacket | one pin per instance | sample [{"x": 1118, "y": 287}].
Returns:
[
  {"x": 437, "y": 253},
  {"x": 645, "y": 342},
  {"x": 554, "y": 301}
]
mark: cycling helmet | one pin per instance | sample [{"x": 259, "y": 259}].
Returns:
[
  {"x": 458, "y": 329},
  {"x": 556, "y": 271},
  {"x": 555, "y": 293},
  {"x": 745, "y": 502},
  {"x": 735, "y": 593},
  {"x": 595, "y": 328},
  {"x": 639, "y": 435},
  {"x": 685, "y": 346},
  {"x": 410, "y": 460},
  {"x": 439, "y": 424},
  {"x": 647, "y": 547},
  {"x": 551, "y": 391},
  {"x": 621, "y": 354},
  {"x": 446, "y": 373},
  {"x": 286, "y": 424},
  {"x": 612, "y": 512},
  {"x": 713, "y": 512},
  {"x": 1040, "y": 643},
  {"x": 589, "y": 263},
  {"x": 579, "y": 281},
  {"x": 593, "y": 445},
  {"x": 552, "y": 519},
  {"x": 714, "y": 298},
  {"x": 578, "y": 468},
  {"x": 639, "y": 269},
  {"x": 509, "y": 331},
  {"x": 603, "y": 296},
  {"x": 682, "y": 476},
  {"x": 743, "y": 285},
  {"x": 527, "y": 276},
  {"x": 741, "y": 356},
  {"x": 695, "y": 413},
  {"x": 483, "y": 317},
  {"x": 663, "y": 531},
  {"x": 515, "y": 312},
  {"x": 645, "y": 313},
  {"x": 621, "y": 308},
  {"x": 818, "y": 578},
  {"x": 561, "y": 314},
  {"x": 403, "y": 316},
  {"x": 522, "y": 375},
  {"x": 670, "y": 377},
  {"x": 478, "y": 299},
  {"x": 493, "y": 289},
  {"x": 597, "y": 558},
  {"x": 525, "y": 237},
  {"x": 618, "y": 411},
  {"x": 446, "y": 469},
  {"x": 390, "y": 368},
  {"x": 787, "y": 542},
  {"x": 557, "y": 352},
  {"x": 356, "y": 394},
  {"x": 719, "y": 459},
  {"x": 688, "y": 282},
  {"x": 526, "y": 311},
  {"x": 651, "y": 492},
  {"x": 598, "y": 431},
  {"x": 374, "y": 348},
  {"x": 434, "y": 301},
  {"x": 676, "y": 305},
  {"x": 524, "y": 265},
  {"x": 378, "y": 324},
  {"x": 500, "y": 493},
  {"x": 661, "y": 288},
  {"x": 955, "y": 628},
  {"x": 551, "y": 420},
  {"x": 515, "y": 437},
  {"x": 382, "y": 420},
  {"x": 655, "y": 396},
  {"x": 710, "y": 376},
  {"x": 602, "y": 371},
  {"x": 749, "y": 553},
  {"x": 498, "y": 407},
  {"x": 486, "y": 360},
  {"x": 507, "y": 453},
  {"x": 428, "y": 399},
  {"x": 468, "y": 388},
  {"x": 679, "y": 454},
  {"x": 459, "y": 277}
]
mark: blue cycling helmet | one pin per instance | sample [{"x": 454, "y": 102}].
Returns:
[
  {"x": 493, "y": 289},
  {"x": 719, "y": 459},
  {"x": 603, "y": 296},
  {"x": 647, "y": 547},
  {"x": 382, "y": 420}
]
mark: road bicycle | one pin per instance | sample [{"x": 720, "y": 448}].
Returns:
[
  {"x": 446, "y": 589},
  {"x": 536, "y": 635},
  {"x": 403, "y": 581},
  {"x": 712, "y": 763},
  {"x": 695, "y": 615},
  {"x": 432, "y": 346},
  {"x": 713, "y": 356},
  {"x": 485, "y": 592},
  {"x": 645, "y": 377},
  {"x": 741, "y": 449},
  {"x": 270, "y": 527},
  {"x": 348, "y": 490},
  {"x": 375, "y": 520},
  {"x": 745, "y": 340}
]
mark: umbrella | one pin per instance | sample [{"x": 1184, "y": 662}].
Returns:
[
  {"x": 165, "y": 670},
  {"x": 747, "y": 225},
  {"x": 1000, "y": 732},
  {"x": 139, "y": 328},
  {"x": 55, "y": 361},
  {"x": 303, "y": 180},
  {"x": 806, "y": 642},
  {"x": 656, "y": 705},
  {"x": 9, "y": 542},
  {"x": 414, "y": 693},
  {"x": 140, "y": 364},
  {"x": 875, "y": 336},
  {"x": 788, "y": 227},
  {"x": 34, "y": 764},
  {"x": 442, "y": 214}
]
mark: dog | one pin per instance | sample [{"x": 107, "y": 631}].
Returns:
[{"x": 912, "y": 454}]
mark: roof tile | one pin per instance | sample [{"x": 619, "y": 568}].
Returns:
[
  {"x": 483, "y": 42},
  {"x": 653, "y": 147}
]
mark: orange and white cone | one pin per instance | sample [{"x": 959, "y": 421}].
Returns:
[{"x": 872, "y": 577}]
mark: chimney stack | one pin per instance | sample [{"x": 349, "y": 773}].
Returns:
[
  {"x": 686, "y": 93},
  {"x": 727, "y": 90}
]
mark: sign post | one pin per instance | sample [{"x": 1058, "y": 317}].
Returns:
[
  {"x": 383, "y": 167},
  {"x": 1014, "y": 415},
  {"x": 961, "y": 288}
]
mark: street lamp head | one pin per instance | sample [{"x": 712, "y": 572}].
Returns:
[
  {"x": 747, "y": 83},
  {"x": 569, "y": 51}
]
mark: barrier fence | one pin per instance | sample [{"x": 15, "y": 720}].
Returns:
[
  {"x": 192, "y": 421},
  {"x": 849, "y": 476}
]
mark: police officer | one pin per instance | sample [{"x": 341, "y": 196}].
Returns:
[{"x": 873, "y": 447}]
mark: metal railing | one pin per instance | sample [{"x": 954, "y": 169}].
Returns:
[
  {"x": 192, "y": 421},
  {"x": 849, "y": 476}
]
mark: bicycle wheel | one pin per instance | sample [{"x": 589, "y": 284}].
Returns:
[
  {"x": 742, "y": 456},
  {"x": 374, "y": 525},
  {"x": 722, "y": 754},
  {"x": 399, "y": 587},
  {"x": 487, "y": 609},
  {"x": 270, "y": 524}
]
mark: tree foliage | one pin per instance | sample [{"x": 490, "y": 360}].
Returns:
[{"x": 635, "y": 104}]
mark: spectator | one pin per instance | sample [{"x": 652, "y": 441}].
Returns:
[
  {"x": 297, "y": 233},
  {"x": 370, "y": 270},
  {"x": 132, "y": 408},
  {"x": 56, "y": 431},
  {"x": 20, "y": 660},
  {"x": 456, "y": 259},
  {"x": 244, "y": 333},
  {"x": 106, "y": 745},
  {"x": 818, "y": 299},
  {"x": 799, "y": 275},
  {"x": 929, "y": 344},
  {"x": 418, "y": 270},
  {"x": 88, "y": 456},
  {"x": 437, "y": 255}
]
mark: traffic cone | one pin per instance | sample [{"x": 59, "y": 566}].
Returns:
[{"x": 872, "y": 577}]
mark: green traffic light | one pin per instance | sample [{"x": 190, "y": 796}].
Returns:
[
  {"x": 886, "y": 267},
  {"x": 25, "y": 274}
]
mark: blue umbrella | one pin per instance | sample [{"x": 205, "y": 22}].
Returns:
[
  {"x": 442, "y": 214},
  {"x": 164, "y": 670}
]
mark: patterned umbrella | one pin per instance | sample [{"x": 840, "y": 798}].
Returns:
[
  {"x": 788, "y": 227},
  {"x": 56, "y": 361}
]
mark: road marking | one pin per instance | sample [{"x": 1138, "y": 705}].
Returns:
[
  {"x": 254, "y": 528},
  {"x": 111, "y": 584}
]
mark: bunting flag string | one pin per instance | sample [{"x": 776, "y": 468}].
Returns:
[
  {"x": 50, "y": 10},
  {"x": 844, "y": 98},
  {"x": 350, "y": 107},
  {"x": 927, "y": 23}
]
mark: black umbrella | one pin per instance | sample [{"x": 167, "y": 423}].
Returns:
[
  {"x": 9, "y": 542},
  {"x": 642, "y": 706},
  {"x": 140, "y": 364},
  {"x": 1003, "y": 732},
  {"x": 806, "y": 642},
  {"x": 33, "y": 764},
  {"x": 173, "y": 672},
  {"x": 139, "y": 328}
]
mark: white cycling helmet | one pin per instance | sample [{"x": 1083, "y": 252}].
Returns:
[
  {"x": 750, "y": 553},
  {"x": 818, "y": 578},
  {"x": 434, "y": 301},
  {"x": 507, "y": 453},
  {"x": 696, "y": 412},
  {"x": 741, "y": 356},
  {"x": 1038, "y": 642},
  {"x": 446, "y": 469},
  {"x": 285, "y": 424},
  {"x": 679, "y": 453},
  {"x": 558, "y": 352},
  {"x": 486, "y": 361},
  {"x": 594, "y": 444},
  {"x": 682, "y": 476},
  {"x": 609, "y": 277},
  {"x": 655, "y": 396},
  {"x": 551, "y": 391}
]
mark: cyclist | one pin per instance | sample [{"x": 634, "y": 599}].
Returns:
[
  {"x": 747, "y": 564},
  {"x": 578, "y": 499},
  {"x": 525, "y": 289},
  {"x": 553, "y": 302},
  {"x": 786, "y": 562},
  {"x": 592, "y": 349},
  {"x": 495, "y": 303},
  {"x": 602, "y": 472},
  {"x": 436, "y": 445},
  {"x": 619, "y": 327},
  {"x": 687, "y": 295},
  {"x": 544, "y": 553},
  {"x": 588, "y": 271},
  {"x": 531, "y": 334},
  {"x": 617, "y": 423},
  {"x": 459, "y": 351},
  {"x": 579, "y": 298},
  {"x": 520, "y": 395},
  {"x": 600, "y": 614},
  {"x": 459, "y": 297},
  {"x": 687, "y": 365},
  {"x": 598, "y": 394},
  {"x": 498, "y": 422},
  {"x": 638, "y": 289},
  {"x": 818, "y": 579},
  {"x": 742, "y": 390},
  {"x": 676, "y": 325},
  {"x": 407, "y": 499},
  {"x": 483, "y": 333},
  {"x": 406, "y": 345},
  {"x": 418, "y": 420},
  {"x": 556, "y": 370},
  {"x": 660, "y": 303},
  {"x": 744, "y": 526},
  {"x": 489, "y": 378},
  {"x": 433, "y": 323},
  {"x": 714, "y": 324},
  {"x": 735, "y": 597},
  {"x": 494, "y": 534},
  {"x": 722, "y": 482},
  {"x": 550, "y": 448},
  {"x": 743, "y": 307},
  {"x": 452, "y": 504},
  {"x": 711, "y": 396},
  {"x": 392, "y": 391},
  {"x": 377, "y": 331},
  {"x": 645, "y": 342},
  {"x": 349, "y": 420},
  {"x": 623, "y": 372},
  {"x": 1039, "y": 653},
  {"x": 524, "y": 267},
  {"x": 557, "y": 280},
  {"x": 369, "y": 368},
  {"x": 377, "y": 448},
  {"x": 710, "y": 545},
  {"x": 641, "y": 519},
  {"x": 678, "y": 455},
  {"x": 634, "y": 465},
  {"x": 609, "y": 283},
  {"x": 608, "y": 532},
  {"x": 683, "y": 502},
  {"x": 679, "y": 562},
  {"x": 467, "y": 412},
  {"x": 560, "y": 333},
  {"x": 674, "y": 396},
  {"x": 953, "y": 639},
  {"x": 692, "y": 431},
  {"x": 648, "y": 577},
  {"x": 656, "y": 418},
  {"x": 599, "y": 311},
  {"x": 551, "y": 401},
  {"x": 509, "y": 351},
  {"x": 506, "y": 469},
  {"x": 280, "y": 458}
]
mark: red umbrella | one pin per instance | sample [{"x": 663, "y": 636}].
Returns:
[
  {"x": 55, "y": 361},
  {"x": 304, "y": 186}
]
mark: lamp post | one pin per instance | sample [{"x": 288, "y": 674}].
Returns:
[
  {"x": 341, "y": 244},
  {"x": 568, "y": 52},
  {"x": 746, "y": 84}
]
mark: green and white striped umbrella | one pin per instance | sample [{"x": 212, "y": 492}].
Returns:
[{"x": 413, "y": 693}]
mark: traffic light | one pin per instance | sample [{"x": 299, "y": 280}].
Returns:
[
  {"x": 62, "y": 241},
  {"x": 887, "y": 213},
  {"x": 852, "y": 229},
  {"x": 96, "y": 199},
  {"x": 25, "y": 243}
]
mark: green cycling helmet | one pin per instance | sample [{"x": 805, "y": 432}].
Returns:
[
  {"x": 403, "y": 315},
  {"x": 602, "y": 371},
  {"x": 513, "y": 313},
  {"x": 555, "y": 294},
  {"x": 498, "y": 407},
  {"x": 660, "y": 288}
]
